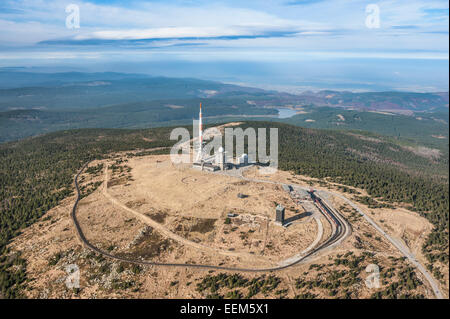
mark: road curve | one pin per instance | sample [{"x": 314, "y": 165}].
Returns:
[
  {"x": 333, "y": 239},
  {"x": 310, "y": 247},
  {"x": 404, "y": 250}
]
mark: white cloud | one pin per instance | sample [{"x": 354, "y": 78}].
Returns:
[
  {"x": 326, "y": 26},
  {"x": 172, "y": 32}
]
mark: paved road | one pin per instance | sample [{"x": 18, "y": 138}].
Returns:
[
  {"x": 336, "y": 238},
  {"x": 310, "y": 247},
  {"x": 340, "y": 227},
  {"x": 333, "y": 239},
  {"x": 402, "y": 248}
]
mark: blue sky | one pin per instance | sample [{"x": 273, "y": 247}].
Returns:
[{"x": 293, "y": 44}]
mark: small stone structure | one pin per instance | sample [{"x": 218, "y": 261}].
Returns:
[{"x": 279, "y": 214}]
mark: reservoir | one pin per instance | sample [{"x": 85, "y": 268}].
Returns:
[{"x": 284, "y": 113}]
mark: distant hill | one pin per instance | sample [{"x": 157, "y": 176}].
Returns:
[
  {"x": 76, "y": 90},
  {"x": 429, "y": 128},
  {"x": 398, "y": 102},
  {"x": 103, "y": 91},
  {"x": 22, "y": 78},
  {"x": 18, "y": 124},
  {"x": 36, "y": 103}
]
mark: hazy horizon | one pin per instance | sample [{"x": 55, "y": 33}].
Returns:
[{"x": 279, "y": 44}]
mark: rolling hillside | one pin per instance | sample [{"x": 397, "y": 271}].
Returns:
[
  {"x": 36, "y": 174},
  {"x": 428, "y": 128},
  {"x": 37, "y": 103}
]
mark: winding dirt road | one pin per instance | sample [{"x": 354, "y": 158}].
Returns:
[
  {"x": 337, "y": 236},
  {"x": 341, "y": 230}
]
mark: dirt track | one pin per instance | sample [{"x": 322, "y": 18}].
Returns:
[{"x": 332, "y": 240}]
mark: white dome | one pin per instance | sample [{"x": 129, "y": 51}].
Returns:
[{"x": 221, "y": 149}]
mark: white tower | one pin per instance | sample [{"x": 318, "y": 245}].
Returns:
[
  {"x": 200, "y": 136},
  {"x": 220, "y": 158}
]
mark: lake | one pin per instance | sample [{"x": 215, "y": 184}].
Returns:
[{"x": 284, "y": 113}]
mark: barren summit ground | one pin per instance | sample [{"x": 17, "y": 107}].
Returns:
[
  {"x": 195, "y": 205},
  {"x": 148, "y": 209}
]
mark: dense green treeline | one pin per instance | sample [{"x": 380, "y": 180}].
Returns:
[
  {"x": 322, "y": 154},
  {"x": 386, "y": 170},
  {"x": 37, "y": 173},
  {"x": 16, "y": 124},
  {"x": 421, "y": 128}
]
